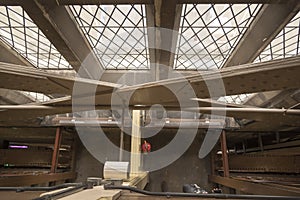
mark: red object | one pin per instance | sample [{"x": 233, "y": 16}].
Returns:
[{"x": 146, "y": 147}]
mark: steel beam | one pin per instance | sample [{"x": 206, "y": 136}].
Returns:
[
  {"x": 272, "y": 75},
  {"x": 253, "y": 188},
  {"x": 165, "y": 16},
  {"x": 224, "y": 154},
  {"x": 25, "y": 180},
  {"x": 115, "y": 76},
  {"x": 61, "y": 29},
  {"x": 259, "y": 77},
  {"x": 7, "y": 54},
  {"x": 15, "y": 97},
  {"x": 29, "y": 79},
  {"x": 152, "y": 41},
  {"x": 271, "y": 19},
  {"x": 55, "y": 155},
  {"x": 258, "y": 114},
  {"x": 269, "y": 75}
]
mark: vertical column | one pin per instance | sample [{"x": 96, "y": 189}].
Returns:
[
  {"x": 224, "y": 154},
  {"x": 55, "y": 154},
  {"x": 260, "y": 142},
  {"x": 122, "y": 136},
  {"x": 73, "y": 152},
  {"x": 212, "y": 162},
  {"x": 135, "y": 160}
]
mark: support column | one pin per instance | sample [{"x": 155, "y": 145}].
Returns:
[
  {"x": 260, "y": 142},
  {"x": 212, "y": 162},
  {"x": 135, "y": 160},
  {"x": 122, "y": 136},
  {"x": 224, "y": 154},
  {"x": 55, "y": 154},
  {"x": 73, "y": 153}
]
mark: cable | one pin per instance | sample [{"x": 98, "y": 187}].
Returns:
[{"x": 220, "y": 196}]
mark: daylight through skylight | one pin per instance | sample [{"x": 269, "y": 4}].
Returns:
[
  {"x": 117, "y": 34},
  {"x": 19, "y": 31},
  {"x": 210, "y": 32},
  {"x": 285, "y": 44}
]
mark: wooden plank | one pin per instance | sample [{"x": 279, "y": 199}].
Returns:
[
  {"x": 27, "y": 180},
  {"x": 28, "y": 157},
  {"x": 264, "y": 162},
  {"x": 252, "y": 188},
  {"x": 135, "y": 159},
  {"x": 94, "y": 194}
]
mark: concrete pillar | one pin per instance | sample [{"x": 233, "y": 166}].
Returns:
[{"x": 135, "y": 160}]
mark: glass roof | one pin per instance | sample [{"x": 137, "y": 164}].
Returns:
[
  {"x": 19, "y": 31},
  {"x": 235, "y": 99},
  {"x": 38, "y": 97},
  {"x": 117, "y": 34},
  {"x": 285, "y": 44},
  {"x": 209, "y": 33}
]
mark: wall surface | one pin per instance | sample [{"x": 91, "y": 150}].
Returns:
[
  {"x": 86, "y": 164},
  {"x": 187, "y": 169}
]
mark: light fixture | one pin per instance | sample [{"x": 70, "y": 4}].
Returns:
[
  {"x": 18, "y": 146},
  {"x": 206, "y": 121},
  {"x": 139, "y": 105},
  {"x": 167, "y": 120}
]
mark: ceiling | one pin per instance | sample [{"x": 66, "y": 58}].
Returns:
[{"x": 150, "y": 52}]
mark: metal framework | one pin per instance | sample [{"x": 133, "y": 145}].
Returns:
[
  {"x": 236, "y": 99},
  {"x": 285, "y": 44},
  {"x": 209, "y": 33},
  {"x": 37, "y": 97},
  {"x": 253, "y": 187},
  {"x": 23, "y": 35},
  {"x": 117, "y": 34}
]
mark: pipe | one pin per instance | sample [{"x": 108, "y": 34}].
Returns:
[
  {"x": 246, "y": 110},
  {"x": 22, "y": 189},
  {"x": 219, "y": 196}
]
